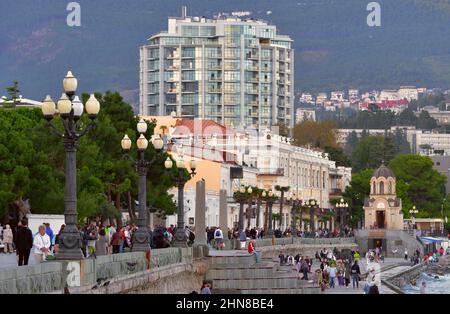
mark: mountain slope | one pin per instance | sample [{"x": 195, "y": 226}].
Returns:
[{"x": 334, "y": 46}]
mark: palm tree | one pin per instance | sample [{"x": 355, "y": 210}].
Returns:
[
  {"x": 163, "y": 128},
  {"x": 282, "y": 190}
]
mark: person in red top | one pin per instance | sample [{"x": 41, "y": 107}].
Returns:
[
  {"x": 122, "y": 239},
  {"x": 441, "y": 251},
  {"x": 252, "y": 250}
]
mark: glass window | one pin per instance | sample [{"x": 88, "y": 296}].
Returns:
[
  {"x": 207, "y": 31},
  {"x": 189, "y": 30},
  {"x": 232, "y": 76},
  {"x": 188, "y": 52},
  {"x": 153, "y": 53},
  {"x": 153, "y": 99}
]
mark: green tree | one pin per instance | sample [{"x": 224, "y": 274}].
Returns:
[
  {"x": 418, "y": 184},
  {"x": 371, "y": 151},
  {"x": 356, "y": 193},
  {"x": 13, "y": 92},
  {"x": 316, "y": 134},
  {"x": 352, "y": 143},
  {"x": 401, "y": 143},
  {"x": 425, "y": 121},
  {"x": 338, "y": 155},
  {"x": 407, "y": 117}
]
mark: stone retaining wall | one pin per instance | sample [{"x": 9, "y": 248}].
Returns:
[
  {"x": 55, "y": 275},
  {"x": 403, "y": 278}
]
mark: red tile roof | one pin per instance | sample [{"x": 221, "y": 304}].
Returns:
[{"x": 200, "y": 127}]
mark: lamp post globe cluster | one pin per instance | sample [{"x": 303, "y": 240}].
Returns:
[
  {"x": 312, "y": 204},
  {"x": 242, "y": 195},
  {"x": 70, "y": 109},
  {"x": 413, "y": 212},
  {"x": 181, "y": 178},
  {"x": 296, "y": 203},
  {"x": 342, "y": 206},
  {"x": 270, "y": 198},
  {"x": 141, "y": 238}
]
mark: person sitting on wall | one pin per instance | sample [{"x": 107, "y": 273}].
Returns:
[{"x": 252, "y": 250}]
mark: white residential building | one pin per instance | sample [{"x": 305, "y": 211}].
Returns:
[
  {"x": 233, "y": 71},
  {"x": 306, "y": 98},
  {"x": 303, "y": 114},
  {"x": 321, "y": 99},
  {"x": 408, "y": 92}
]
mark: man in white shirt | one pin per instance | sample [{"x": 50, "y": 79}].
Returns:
[{"x": 41, "y": 245}]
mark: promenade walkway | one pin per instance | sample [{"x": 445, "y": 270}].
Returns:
[{"x": 389, "y": 268}]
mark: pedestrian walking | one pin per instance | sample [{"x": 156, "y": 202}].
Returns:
[
  {"x": 24, "y": 243},
  {"x": 115, "y": 242},
  {"x": 8, "y": 239},
  {"x": 356, "y": 272},
  {"x": 332, "y": 274},
  {"x": 101, "y": 245}
]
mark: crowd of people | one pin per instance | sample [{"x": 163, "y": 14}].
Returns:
[{"x": 96, "y": 239}]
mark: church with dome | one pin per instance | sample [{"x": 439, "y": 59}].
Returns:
[{"x": 383, "y": 209}]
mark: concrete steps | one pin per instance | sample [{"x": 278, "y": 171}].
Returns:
[
  {"x": 242, "y": 275},
  {"x": 257, "y": 283}
]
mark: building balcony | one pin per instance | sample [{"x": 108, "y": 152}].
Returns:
[
  {"x": 173, "y": 68},
  {"x": 335, "y": 192},
  {"x": 172, "y": 91},
  {"x": 253, "y": 91},
  {"x": 216, "y": 67},
  {"x": 271, "y": 172},
  {"x": 215, "y": 79},
  {"x": 253, "y": 80},
  {"x": 214, "y": 90},
  {"x": 172, "y": 56},
  {"x": 253, "y": 68}
]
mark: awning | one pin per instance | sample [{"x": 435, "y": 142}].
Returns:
[{"x": 429, "y": 240}]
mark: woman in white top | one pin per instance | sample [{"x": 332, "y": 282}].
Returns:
[{"x": 41, "y": 245}]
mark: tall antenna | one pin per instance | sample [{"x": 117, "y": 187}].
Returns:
[{"x": 184, "y": 11}]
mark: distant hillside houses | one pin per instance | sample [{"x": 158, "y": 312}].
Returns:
[
  {"x": 19, "y": 102},
  {"x": 388, "y": 99}
]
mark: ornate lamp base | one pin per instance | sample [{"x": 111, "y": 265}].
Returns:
[
  {"x": 141, "y": 240},
  {"x": 70, "y": 245},
  {"x": 180, "y": 238}
]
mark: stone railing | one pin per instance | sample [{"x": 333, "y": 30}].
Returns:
[
  {"x": 55, "y": 275},
  {"x": 42, "y": 278}
]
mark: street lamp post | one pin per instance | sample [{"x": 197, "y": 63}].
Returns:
[
  {"x": 269, "y": 197},
  {"x": 342, "y": 206},
  {"x": 413, "y": 212},
  {"x": 295, "y": 203},
  {"x": 70, "y": 110},
  {"x": 180, "y": 178},
  {"x": 242, "y": 195},
  {"x": 311, "y": 204},
  {"x": 141, "y": 238}
]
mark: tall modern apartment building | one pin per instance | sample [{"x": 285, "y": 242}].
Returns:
[{"x": 234, "y": 71}]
